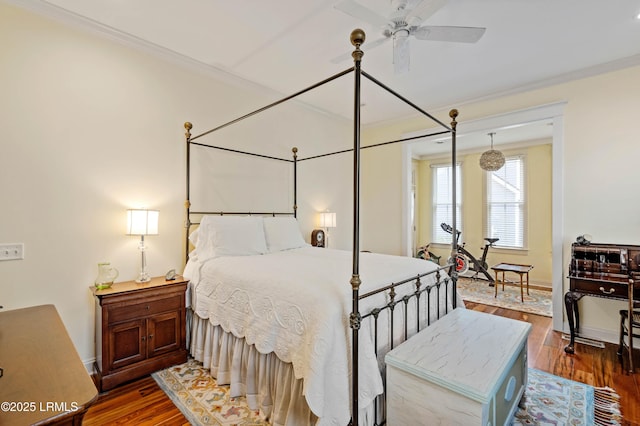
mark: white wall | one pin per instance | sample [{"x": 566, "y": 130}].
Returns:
[{"x": 90, "y": 127}]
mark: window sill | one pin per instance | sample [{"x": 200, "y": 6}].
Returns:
[{"x": 510, "y": 250}]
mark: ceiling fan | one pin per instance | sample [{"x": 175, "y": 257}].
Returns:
[{"x": 404, "y": 22}]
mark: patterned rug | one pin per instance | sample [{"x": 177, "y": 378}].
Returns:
[
  {"x": 536, "y": 302},
  {"x": 201, "y": 400},
  {"x": 549, "y": 400},
  {"x": 552, "y": 400}
]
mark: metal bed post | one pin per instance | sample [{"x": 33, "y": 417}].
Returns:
[
  {"x": 454, "y": 243},
  {"x": 187, "y": 204},
  {"x": 295, "y": 181},
  {"x": 357, "y": 38}
]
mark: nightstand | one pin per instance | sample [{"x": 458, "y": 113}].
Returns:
[{"x": 140, "y": 328}]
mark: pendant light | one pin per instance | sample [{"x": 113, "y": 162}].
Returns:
[{"x": 491, "y": 160}]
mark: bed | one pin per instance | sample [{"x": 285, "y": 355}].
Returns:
[{"x": 274, "y": 317}]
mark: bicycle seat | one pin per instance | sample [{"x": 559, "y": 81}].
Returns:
[{"x": 492, "y": 240}]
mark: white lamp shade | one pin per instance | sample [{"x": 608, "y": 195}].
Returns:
[
  {"x": 142, "y": 222},
  {"x": 327, "y": 220}
]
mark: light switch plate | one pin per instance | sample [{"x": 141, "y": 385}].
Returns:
[{"x": 12, "y": 251}]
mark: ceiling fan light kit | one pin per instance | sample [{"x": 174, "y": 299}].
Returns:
[
  {"x": 492, "y": 159},
  {"x": 402, "y": 23}
]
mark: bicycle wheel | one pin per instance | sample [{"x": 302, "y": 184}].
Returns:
[{"x": 462, "y": 264}]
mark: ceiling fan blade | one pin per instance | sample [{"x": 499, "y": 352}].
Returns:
[
  {"x": 424, "y": 10},
  {"x": 401, "y": 54},
  {"x": 365, "y": 47},
  {"x": 453, "y": 34},
  {"x": 360, "y": 12}
]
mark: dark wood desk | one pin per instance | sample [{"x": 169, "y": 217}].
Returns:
[
  {"x": 607, "y": 271},
  {"x": 44, "y": 381}
]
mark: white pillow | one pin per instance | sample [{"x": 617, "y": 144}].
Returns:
[
  {"x": 230, "y": 236},
  {"x": 283, "y": 233},
  {"x": 193, "y": 237}
]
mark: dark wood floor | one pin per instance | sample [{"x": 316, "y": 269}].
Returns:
[{"x": 143, "y": 403}]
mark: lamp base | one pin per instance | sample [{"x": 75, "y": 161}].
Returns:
[
  {"x": 143, "y": 278},
  {"x": 144, "y": 275}
]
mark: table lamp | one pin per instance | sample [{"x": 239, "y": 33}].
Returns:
[
  {"x": 142, "y": 222},
  {"x": 327, "y": 220}
]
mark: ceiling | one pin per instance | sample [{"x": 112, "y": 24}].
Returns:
[{"x": 283, "y": 46}]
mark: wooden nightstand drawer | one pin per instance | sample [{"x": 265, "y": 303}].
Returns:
[{"x": 128, "y": 312}]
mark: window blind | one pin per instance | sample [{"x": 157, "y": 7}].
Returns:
[
  {"x": 506, "y": 204},
  {"x": 442, "y": 206}
]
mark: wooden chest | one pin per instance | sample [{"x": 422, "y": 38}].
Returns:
[{"x": 467, "y": 368}]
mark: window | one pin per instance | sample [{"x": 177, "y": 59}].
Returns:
[
  {"x": 506, "y": 204},
  {"x": 442, "y": 206}
]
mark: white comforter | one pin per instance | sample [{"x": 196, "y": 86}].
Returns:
[{"x": 296, "y": 303}]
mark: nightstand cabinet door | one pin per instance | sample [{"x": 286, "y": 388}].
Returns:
[
  {"x": 126, "y": 343},
  {"x": 163, "y": 333},
  {"x": 140, "y": 328}
]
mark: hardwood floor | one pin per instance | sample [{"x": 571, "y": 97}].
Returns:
[{"x": 143, "y": 403}]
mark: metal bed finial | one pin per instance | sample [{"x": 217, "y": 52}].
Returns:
[{"x": 357, "y": 39}]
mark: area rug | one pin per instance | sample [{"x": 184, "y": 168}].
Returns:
[
  {"x": 549, "y": 400},
  {"x": 552, "y": 400},
  {"x": 478, "y": 291},
  {"x": 201, "y": 400}
]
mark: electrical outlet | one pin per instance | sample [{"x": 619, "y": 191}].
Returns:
[{"x": 12, "y": 251}]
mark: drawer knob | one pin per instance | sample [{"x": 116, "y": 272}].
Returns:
[
  {"x": 143, "y": 338},
  {"x": 511, "y": 388},
  {"x": 147, "y": 307},
  {"x": 611, "y": 291},
  {"x": 150, "y": 336}
]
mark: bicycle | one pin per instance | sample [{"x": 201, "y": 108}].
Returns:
[
  {"x": 465, "y": 261},
  {"x": 424, "y": 253}
]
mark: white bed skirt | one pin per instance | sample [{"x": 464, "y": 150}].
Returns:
[{"x": 267, "y": 382}]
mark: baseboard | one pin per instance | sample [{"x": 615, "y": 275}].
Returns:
[
  {"x": 597, "y": 334},
  {"x": 584, "y": 341},
  {"x": 89, "y": 365}
]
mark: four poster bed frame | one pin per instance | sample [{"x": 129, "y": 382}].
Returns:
[{"x": 356, "y": 317}]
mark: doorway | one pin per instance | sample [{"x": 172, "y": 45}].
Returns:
[{"x": 552, "y": 113}]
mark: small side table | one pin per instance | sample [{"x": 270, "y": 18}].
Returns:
[{"x": 522, "y": 270}]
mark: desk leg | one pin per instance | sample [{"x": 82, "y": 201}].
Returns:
[
  {"x": 521, "y": 290},
  {"x": 527, "y": 284},
  {"x": 571, "y": 305},
  {"x": 630, "y": 326},
  {"x": 496, "y": 285}
]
